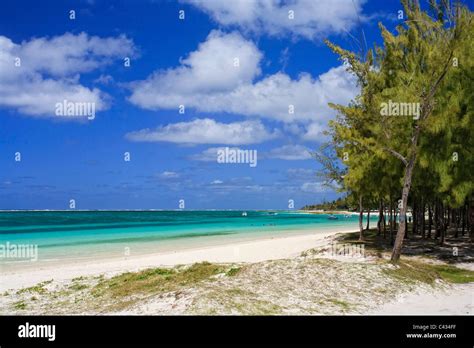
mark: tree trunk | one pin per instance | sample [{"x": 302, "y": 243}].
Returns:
[
  {"x": 391, "y": 222},
  {"x": 397, "y": 248},
  {"x": 471, "y": 220},
  {"x": 406, "y": 226},
  {"x": 463, "y": 218},
  {"x": 379, "y": 222},
  {"x": 430, "y": 220},
  {"x": 449, "y": 220},
  {"x": 361, "y": 215},
  {"x": 444, "y": 224},
  {"x": 414, "y": 217},
  {"x": 456, "y": 222},
  {"x": 422, "y": 215},
  {"x": 368, "y": 220}
]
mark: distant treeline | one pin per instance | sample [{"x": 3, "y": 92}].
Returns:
[{"x": 338, "y": 204}]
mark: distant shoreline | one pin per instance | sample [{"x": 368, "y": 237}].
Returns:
[
  {"x": 303, "y": 211},
  {"x": 144, "y": 210}
]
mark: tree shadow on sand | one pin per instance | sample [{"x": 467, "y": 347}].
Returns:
[{"x": 454, "y": 249}]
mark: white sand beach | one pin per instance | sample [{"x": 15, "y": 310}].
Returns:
[
  {"x": 259, "y": 249},
  {"x": 458, "y": 299},
  {"x": 291, "y": 274}
]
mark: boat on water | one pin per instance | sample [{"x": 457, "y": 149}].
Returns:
[
  {"x": 332, "y": 217},
  {"x": 244, "y": 213}
]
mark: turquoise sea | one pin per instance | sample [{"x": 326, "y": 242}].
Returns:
[{"x": 88, "y": 234}]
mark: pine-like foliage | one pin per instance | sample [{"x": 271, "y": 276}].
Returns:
[{"x": 427, "y": 68}]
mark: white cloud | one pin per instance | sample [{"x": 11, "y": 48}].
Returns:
[
  {"x": 50, "y": 68},
  {"x": 104, "y": 79},
  {"x": 314, "y": 132},
  {"x": 206, "y": 131},
  {"x": 300, "y": 174},
  {"x": 314, "y": 187},
  {"x": 312, "y": 18},
  {"x": 33, "y": 95},
  {"x": 210, "y": 154},
  {"x": 208, "y": 82},
  {"x": 69, "y": 54},
  {"x": 169, "y": 175},
  {"x": 272, "y": 96},
  {"x": 289, "y": 153},
  {"x": 209, "y": 69},
  {"x": 217, "y": 182}
]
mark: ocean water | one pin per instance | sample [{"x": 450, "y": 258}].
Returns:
[{"x": 62, "y": 235}]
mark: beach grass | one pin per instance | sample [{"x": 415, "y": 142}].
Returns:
[
  {"x": 20, "y": 305},
  {"x": 155, "y": 280},
  {"x": 38, "y": 288},
  {"x": 454, "y": 274},
  {"x": 233, "y": 271}
]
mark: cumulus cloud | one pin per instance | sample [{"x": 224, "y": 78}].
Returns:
[
  {"x": 221, "y": 63},
  {"x": 208, "y": 82},
  {"x": 69, "y": 54},
  {"x": 37, "y": 74},
  {"x": 272, "y": 97},
  {"x": 206, "y": 131},
  {"x": 289, "y": 153},
  {"x": 312, "y": 19}
]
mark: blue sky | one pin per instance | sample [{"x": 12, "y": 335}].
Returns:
[{"x": 174, "y": 62}]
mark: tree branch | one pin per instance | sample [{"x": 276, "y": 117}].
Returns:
[{"x": 398, "y": 155}]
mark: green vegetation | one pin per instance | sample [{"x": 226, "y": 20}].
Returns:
[
  {"x": 78, "y": 279},
  {"x": 453, "y": 274},
  {"x": 19, "y": 305},
  {"x": 38, "y": 288},
  {"x": 410, "y": 272},
  {"x": 241, "y": 301},
  {"x": 78, "y": 287},
  {"x": 338, "y": 204},
  {"x": 155, "y": 280},
  {"x": 260, "y": 307},
  {"x": 344, "y": 305},
  {"x": 233, "y": 271},
  {"x": 404, "y": 144}
]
